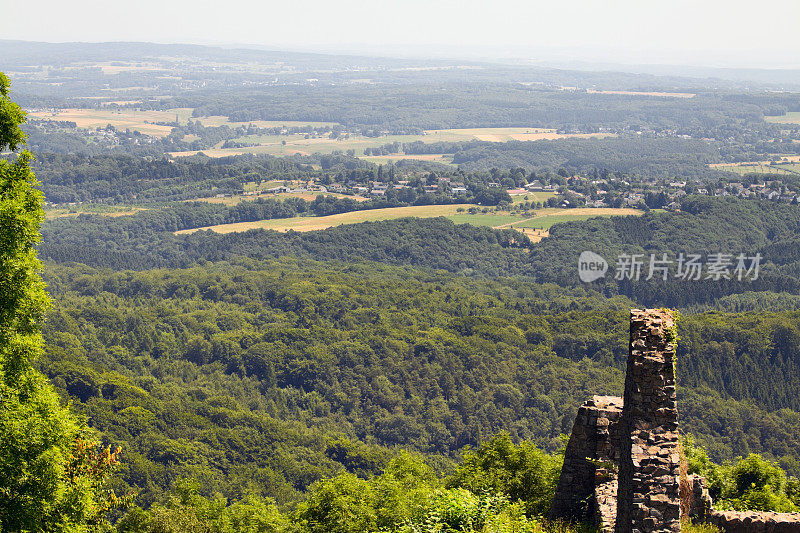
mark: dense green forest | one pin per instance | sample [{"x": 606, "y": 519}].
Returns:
[
  {"x": 643, "y": 155},
  {"x": 231, "y": 373},
  {"x": 455, "y": 105},
  {"x": 121, "y": 178},
  {"x": 649, "y": 156}
]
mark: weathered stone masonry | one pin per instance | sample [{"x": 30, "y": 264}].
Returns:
[
  {"x": 622, "y": 461},
  {"x": 648, "y": 497},
  {"x": 590, "y": 458}
]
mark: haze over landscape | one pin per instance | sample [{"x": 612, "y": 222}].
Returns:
[
  {"x": 345, "y": 267},
  {"x": 682, "y": 32}
]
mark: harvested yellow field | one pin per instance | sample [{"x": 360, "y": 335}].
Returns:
[
  {"x": 218, "y": 120},
  {"x": 593, "y": 211},
  {"x": 792, "y": 117},
  {"x": 444, "y": 159},
  {"x": 645, "y": 93},
  {"x": 535, "y": 226},
  {"x": 239, "y": 198},
  {"x": 779, "y": 158},
  {"x": 271, "y": 149},
  {"x": 120, "y": 102},
  {"x": 320, "y": 223},
  {"x": 535, "y": 235},
  {"x": 134, "y": 119},
  {"x": 758, "y": 166},
  {"x": 115, "y": 67},
  {"x": 503, "y": 134},
  {"x": 282, "y": 145}
]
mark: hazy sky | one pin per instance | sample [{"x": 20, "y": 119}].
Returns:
[{"x": 709, "y": 32}]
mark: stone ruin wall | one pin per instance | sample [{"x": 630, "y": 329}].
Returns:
[
  {"x": 701, "y": 509},
  {"x": 648, "y": 498},
  {"x": 754, "y": 522},
  {"x": 590, "y": 461},
  {"x": 622, "y": 461}
]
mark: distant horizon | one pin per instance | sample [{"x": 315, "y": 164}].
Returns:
[
  {"x": 552, "y": 57},
  {"x": 711, "y": 34}
]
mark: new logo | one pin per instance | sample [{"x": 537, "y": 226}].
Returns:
[{"x": 591, "y": 267}]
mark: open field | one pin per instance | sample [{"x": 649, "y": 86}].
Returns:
[
  {"x": 115, "y": 67},
  {"x": 544, "y": 218},
  {"x": 239, "y": 198},
  {"x": 281, "y": 145},
  {"x": 269, "y": 184},
  {"x": 318, "y": 223},
  {"x": 546, "y": 222},
  {"x": 778, "y": 158},
  {"x": 531, "y": 197},
  {"x": 535, "y": 234},
  {"x": 105, "y": 210},
  {"x": 445, "y": 159},
  {"x": 792, "y": 117},
  {"x": 218, "y": 120},
  {"x": 644, "y": 93},
  {"x": 298, "y": 144},
  {"x": 791, "y": 168},
  {"x": 502, "y": 135},
  {"x": 493, "y": 220},
  {"x": 786, "y": 165},
  {"x": 134, "y": 119}
]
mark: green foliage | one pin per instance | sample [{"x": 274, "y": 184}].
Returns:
[
  {"x": 757, "y": 484},
  {"x": 187, "y": 510},
  {"x": 690, "y": 527},
  {"x": 268, "y": 376},
  {"x": 278, "y": 374},
  {"x": 457, "y": 509},
  {"x": 523, "y": 472},
  {"x": 671, "y": 335},
  {"x": 344, "y": 504},
  {"x": 699, "y": 463},
  {"x": 50, "y": 479},
  {"x": 749, "y": 483},
  {"x": 11, "y": 116},
  {"x": 407, "y": 498}
]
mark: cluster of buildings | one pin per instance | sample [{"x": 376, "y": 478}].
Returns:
[
  {"x": 577, "y": 191},
  {"x": 666, "y": 194}
]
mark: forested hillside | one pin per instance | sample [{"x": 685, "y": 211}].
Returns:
[
  {"x": 705, "y": 226},
  {"x": 453, "y": 104},
  {"x": 104, "y": 178},
  {"x": 266, "y": 376}
]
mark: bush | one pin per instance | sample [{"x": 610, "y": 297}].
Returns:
[{"x": 522, "y": 472}]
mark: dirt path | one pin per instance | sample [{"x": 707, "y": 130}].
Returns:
[{"x": 509, "y": 224}]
